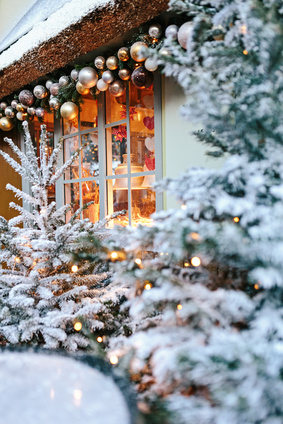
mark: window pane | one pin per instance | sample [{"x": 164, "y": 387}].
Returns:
[
  {"x": 70, "y": 127},
  {"x": 70, "y": 146},
  {"x": 88, "y": 114},
  {"x": 90, "y": 190},
  {"x": 142, "y": 127},
  {"x": 115, "y": 108},
  {"x": 72, "y": 195},
  {"x": 143, "y": 201},
  {"x": 90, "y": 165},
  {"x": 117, "y": 201},
  {"x": 116, "y": 148}
]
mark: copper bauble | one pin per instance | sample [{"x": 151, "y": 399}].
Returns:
[
  {"x": 48, "y": 84},
  {"x": 151, "y": 64},
  {"x": 88, "y": 77},
  {"x": 117, "y": 88},
  {"x": 102, "y": 85},
  {"x": 136, "y": 51},
  {"x": 124, "y": 74},
  {"x": 123, "y": 54},
  {"x": 142, "y": 78},
  {"x": 112, "y": 63},
  {"x": 155, "y": 31},
  {"x": 74, "y": 74},
  {"x": 6, "y": 124},
  {"x": 108, "y": 77},
  {"x": 54, "y": 89},
  {"x": 172, "y": 32},
  {"x": 69, "y": 111},
  {"x": 40, "y": 92},
  {"x": 26, "y": 98},
  {"x": 3, "y": 105},
  {"x": 20, "y": 107},
  {"x": 39, "y": 111},
  {"x": 14, "y": 103},
  {"x": 31, "y": 111},
  {"x": 82, "y": 89},
  {"x": 63, "y": 81},
  {"x": 9, "y": 112},
  {"x": 54, "y": 103},
  {"x": 99, "y": 62},
  {"x": 184, "y": 34}
]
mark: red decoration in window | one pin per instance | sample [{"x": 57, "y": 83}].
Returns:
[
  {"x": 149, "y": 122},
  {"x": 120, "y": 133}
]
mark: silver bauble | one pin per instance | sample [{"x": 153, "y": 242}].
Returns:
[
  {"x": 164, "y": 52},
  {"x": 155, "y": 31},
  {"x": 102, "y": 85},
  {"x": 112, "y": 63},
  {"x": 108, "y": 77},
  {"x": 54, "y": 103},
  {"x": 117, "y": 88},
  {"x": 99, "y": 62},
  {"x": 69, "y": 111},
  {"x": 184, "y": 34},
  {"x": 172, "y": 32},
  {"x": 151, "y": 64},
  {"x": 88, "y": 77},
  {"x": 136, "y": 50},
  {"x": 9, "y": 112},
  {"x": 63, "y": 81},
  {"x": 14, "y": 103},
  {"x": 81, "y": 89},
  {"x": 48, "y": 84},
  {"x": 40, "y": 92},
  {"x": 124, "y": 74},
  {"x": 21, "y": 116},
  {"x": 26, "y": 98},
  {"x": 124, "y": 54},
  {"x": 54, "y": 89},
  {"x": 74, "y": 74},
  {"x": 3, "y": 105},
  {"x": 39, "y": 111},
  {"x": 6, "y": 124},
  {"x": 31, "y": 111}
]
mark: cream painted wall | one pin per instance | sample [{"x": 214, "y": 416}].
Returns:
[
  {"x": 11, "y": 11},
  {"x": 181, "y": 150}
]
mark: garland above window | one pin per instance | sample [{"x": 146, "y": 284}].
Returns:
[{"x": 65, "y": 94}]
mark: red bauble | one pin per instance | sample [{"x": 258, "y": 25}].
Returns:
[{"x": 142, "y": 78}]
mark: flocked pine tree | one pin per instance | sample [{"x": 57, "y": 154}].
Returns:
[
  {"x": 207, "y": 310},
  {"x": 43, "y": 293}
]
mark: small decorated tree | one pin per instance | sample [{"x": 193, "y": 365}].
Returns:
[
  {"x": 44, "y": 295},
  {"x": 206, "y": 304}
]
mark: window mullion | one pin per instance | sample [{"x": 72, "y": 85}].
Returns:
[
  {"x": 129, "y": 155},
  {"x": 102, "y": 155}
]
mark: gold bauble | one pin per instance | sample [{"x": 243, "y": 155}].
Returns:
[
  {"x": 112, "y": 63},
  {"x": 6, "y": 124},
  {"x": 69, "y": 111},
  {"x": 124, "y": 74},
  {"x": 123, "y": 54},
  {"x": 20, "y": 107},
  {"x": 82, "y": 89},
  {"x": 136, "y": 51}
]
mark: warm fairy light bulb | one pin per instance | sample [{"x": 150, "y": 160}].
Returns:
[
  {"x": 179, "y": 307},
  {"x": 34, "y": 263},
  {"x": 43, "y": 211},
  {"x": 245, "y": 52},
  {"x": 138, "y": 261},
  {"x": 148, "y": 286},
  {"x": 114, "y": 255},
  {"x": 236, "y": 219},
  {"x": 243, "y": 29},
  {"x": 78, "y": 394},
  {"x": 74, "y": 268},
  {"x": 17, "y": 259},
  {"x": 256, "y": 286},
  {"x": 184, "y": 207},
  {"x": 195, "y": 261},
  {"x": 99, "y": 339},
  {"x": 186, "y": 264},
  {"x": 161, "y": 254},
  {"x": 114, "y": 360},
  {"x": 78, "y": 326},
  {"x": 52, "y": 394},
  {"x": 194, "y": 236}
]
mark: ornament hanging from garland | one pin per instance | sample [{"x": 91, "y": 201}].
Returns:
[
  {"x": 88, "y": 77},
  {"x": 69, "y": 111},
  {"x": 6, "y": 124},
  {"x": 26, "y": 98},
  {"x": 137, "y": 50},
  {"x": 142, "y": 78}
]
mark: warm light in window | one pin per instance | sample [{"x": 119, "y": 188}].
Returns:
[
  {"x": 114, "y": 255},
  {"x": 179, "y": 307},
  {"x": 99, "y": 339},
  {"x": 195, "y": 261},
  {"x": 74, "y": 268},
  {"x": 138, "y": 261},
  {"x": 236, "y": 219},
  {"x": 148, "y": 286},
  {"x": 114, "y": 360},
  {"x": 78, "y": 326},
  {"x": 245, "y": 52}
]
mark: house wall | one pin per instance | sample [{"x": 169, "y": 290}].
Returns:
[{"x": 181, "y": 150}]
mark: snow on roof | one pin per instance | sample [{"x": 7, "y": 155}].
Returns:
[{"x": 41, "y": 32}]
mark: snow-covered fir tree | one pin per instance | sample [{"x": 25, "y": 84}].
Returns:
[
  {"x": 43, "y": 292},
  {"x": 207, "y": 297}
]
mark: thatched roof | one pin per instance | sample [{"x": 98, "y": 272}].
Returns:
[{"x": 91, "y": 31}]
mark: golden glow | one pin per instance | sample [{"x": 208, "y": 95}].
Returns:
[
  {"x": 114, "y": 255},
  {"x": 114, "y": 360},
  {"x": 74, "y": 268},
  {"x": 243, "y": 29},
  {"x": 186, "y": 264},
  {"x": 43, "y": 211},
  {"x": 256, "y": 286},
  {"x": 99, "y": 339},
  {"x": 184, "y": 207},
  {"x": 179, "y": 307},
  {"x": 78, "y": 326},
  {"x": 236, "y": 219},
  {"x": 17, "y": 260},
  {"x": 194, "y": 236},
  {"x": 78, "y": 394},
  {"x": 34, "y": 263},
  {"x": 148, "y": 286},
  {"x": 245, "y": 52},
  {"x": 195, "y": 261},
  {"x": 138, "y": 261},
  {"x": 161, "y": 254}
]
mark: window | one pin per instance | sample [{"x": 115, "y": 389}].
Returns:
[{"x": 121, "y": 156}]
